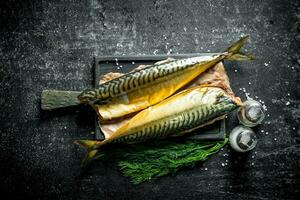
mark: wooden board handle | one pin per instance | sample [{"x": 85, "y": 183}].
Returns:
[{"x": 53, "y": 99}]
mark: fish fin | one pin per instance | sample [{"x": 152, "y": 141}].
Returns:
[
  {"x": 91, "y": 151},
  {"x": 234, "y": 50}
]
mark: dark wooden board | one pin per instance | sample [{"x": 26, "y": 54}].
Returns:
[{"x": 124, "y": 64}]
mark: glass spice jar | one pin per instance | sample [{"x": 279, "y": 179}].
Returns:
[
  {"x": 242, "y": 139},
  {"x": 251, "y": 113}
]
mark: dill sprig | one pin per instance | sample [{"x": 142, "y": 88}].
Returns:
[{"x": 142, "y": 162}]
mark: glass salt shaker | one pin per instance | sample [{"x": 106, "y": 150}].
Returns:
[
  {"x": 251, "y": 113},
  {"x": 242, "y": 139}
]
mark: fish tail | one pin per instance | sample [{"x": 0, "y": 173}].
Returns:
[
  {"x": 234, "y": 50},
  {"x": 89, "y": 145}
]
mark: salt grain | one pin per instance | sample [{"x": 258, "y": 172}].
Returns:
[
  {"x": 266, "y": 64},
  {"x": 133, "y": 62},
  {"x": 287, "y": 103},
  {"x": 223, "y": 164}
]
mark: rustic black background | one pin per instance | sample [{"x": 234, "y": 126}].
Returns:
[{"x": 51, "y": 44}]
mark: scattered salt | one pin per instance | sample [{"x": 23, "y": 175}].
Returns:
[
  {"x": 133, "y": 62},
  {"x": 223, "y": 164},
  {"x": 265, "y": 107},
  {"x": 275, "y": 139},
  {"x": 205, "y": 169},
  {"x": 196, "y": 28},
  {"x": 266, "y": 64},
  {"x": 267, "y": 133},
  {"x": 184, "y": 28},
  {"x": 288, "y": 94},
  {"x": 287, "y": 103},
  {"x": 249, "y": 83},
  {"x": 235, "y": 71}
]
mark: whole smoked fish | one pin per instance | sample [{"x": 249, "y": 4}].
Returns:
[
  {"x": 179, "y": 114},
  {"x": 145, "y": 87}
]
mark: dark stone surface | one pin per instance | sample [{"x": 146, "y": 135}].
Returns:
[{"x": 51, "y": 44}]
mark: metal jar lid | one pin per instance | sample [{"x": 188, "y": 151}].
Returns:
[
  {"x": 251, "y": 113},
  {"x": 242, "y": 139}
]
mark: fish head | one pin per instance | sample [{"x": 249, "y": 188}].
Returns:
[
  {"x": 218, "y": 95},
  {"x": 87, "y": 96},
  {"x": 228, "y": 99}
]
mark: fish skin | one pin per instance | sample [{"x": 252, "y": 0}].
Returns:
[
  {"x": 178, "y": 114},
  {"x": 152, "y": 85},
  {"x": 142, "y": 88}
]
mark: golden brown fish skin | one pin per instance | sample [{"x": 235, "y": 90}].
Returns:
[
  {"x": 142, "y": 88},
  {"x": 194, "y": 107},
  {"x": 149, "y": 94},
  {"x": 153, "y": 74}
]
